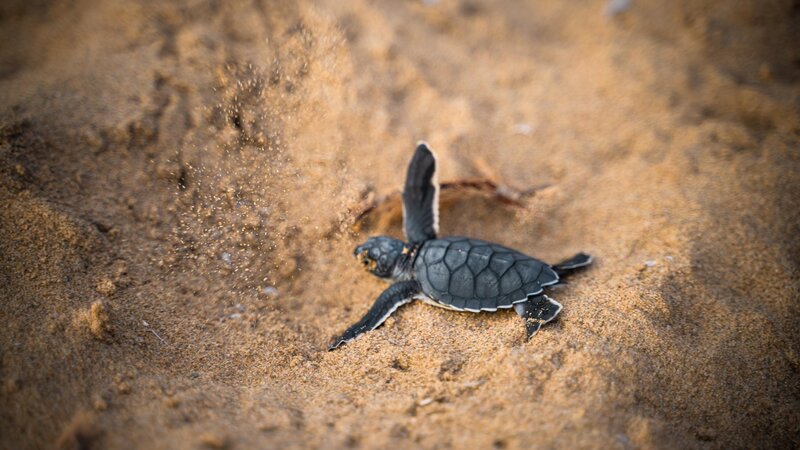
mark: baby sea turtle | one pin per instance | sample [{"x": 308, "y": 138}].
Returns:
[{"x": 457, "y": 273}]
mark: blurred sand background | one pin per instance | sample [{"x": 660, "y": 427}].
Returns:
[{"x": 178, "y": 185}]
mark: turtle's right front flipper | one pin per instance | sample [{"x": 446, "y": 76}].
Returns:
[{"x": 392, "y": 298}]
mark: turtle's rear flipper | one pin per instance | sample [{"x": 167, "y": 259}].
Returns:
[
  {"x": 531, "y": 327},
  {"x": 572, "y": 264},
  {"x": 537, "y": 311},
  {"x": 392, "y": 298}
]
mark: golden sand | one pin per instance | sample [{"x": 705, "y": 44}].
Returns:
[{"x": 178, "y": 185}]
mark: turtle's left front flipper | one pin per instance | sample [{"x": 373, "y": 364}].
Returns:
[
  {"x": 392, "y": 298},
  {"x": 421, "y": 196}
]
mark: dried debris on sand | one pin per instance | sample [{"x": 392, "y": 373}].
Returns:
[{"x": 97, "y": 320}]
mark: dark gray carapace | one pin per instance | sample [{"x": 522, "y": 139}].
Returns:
[{"x": 457, "y": 273}]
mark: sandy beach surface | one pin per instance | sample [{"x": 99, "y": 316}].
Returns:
[{"x": 181, "y": 186}]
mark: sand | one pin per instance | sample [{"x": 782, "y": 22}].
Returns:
[{"x": 179, "y": 187}]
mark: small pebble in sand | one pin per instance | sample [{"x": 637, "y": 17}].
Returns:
[
  {"x": 474, "y": 384},
  {"x": 225, "y": 256},
  {"x": 270, "y": 291},
  {"x": 425, "y": 401},
  {"x": 649, "y": 263},
  {"x": 617, "y": 7},
  {"x": 524, "y": 129}
]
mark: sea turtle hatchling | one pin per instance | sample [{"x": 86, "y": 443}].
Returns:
[{"x": 457, "y": 273}]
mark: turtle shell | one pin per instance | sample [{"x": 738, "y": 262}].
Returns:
[{"x": 474, "y": 275}]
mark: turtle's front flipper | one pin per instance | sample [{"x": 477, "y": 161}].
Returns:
[
  {"x": 537, "y": 311},
  {"x": 421, "y": 197},
  {"x": 392, "y": 298}
]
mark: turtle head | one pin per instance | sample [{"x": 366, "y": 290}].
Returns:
[{"x": 380, "y": 255}]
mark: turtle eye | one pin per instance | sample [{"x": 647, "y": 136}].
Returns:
[{"x": 362, "y": 258}]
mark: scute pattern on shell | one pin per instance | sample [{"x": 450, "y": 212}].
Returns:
[{"x": 475, "y": 275}]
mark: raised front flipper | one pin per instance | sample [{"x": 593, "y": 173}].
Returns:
[
  {"x": 421, "y": 197},
  {"x": 537, "y": 311},
  {"x": 392, "y": 298}
]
